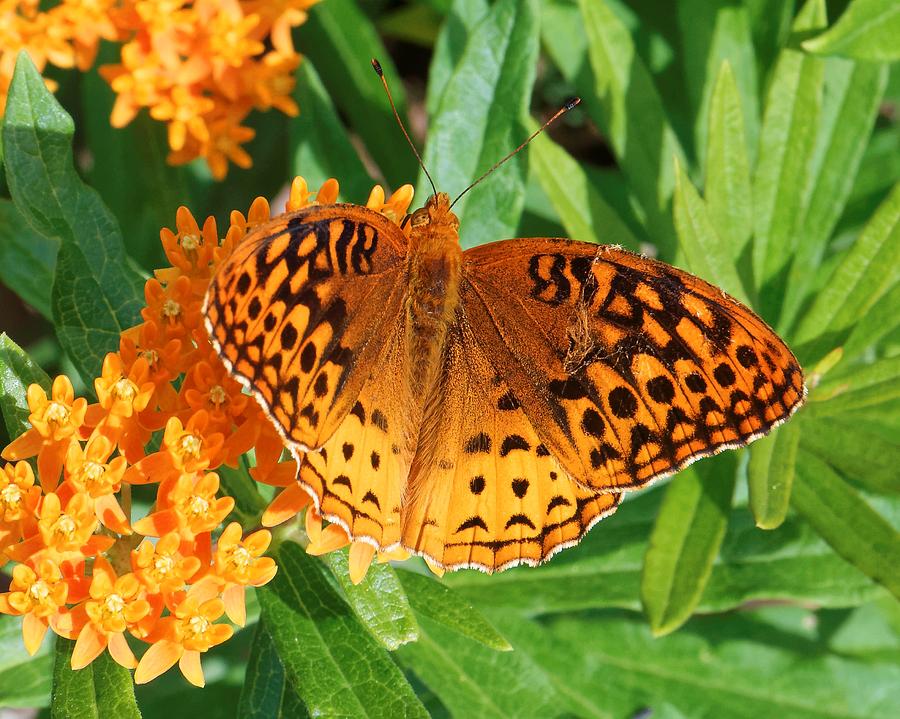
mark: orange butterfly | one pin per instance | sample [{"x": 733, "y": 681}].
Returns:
[{"x": 485, "y": 408}]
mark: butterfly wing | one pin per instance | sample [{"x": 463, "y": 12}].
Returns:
[
  {"x": 303, "y": 308},
  {"x": 629, "y": 369},
  {"x": 483, "y": 490}
]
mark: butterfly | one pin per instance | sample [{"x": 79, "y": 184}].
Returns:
[{"x": 484, "y": 408}]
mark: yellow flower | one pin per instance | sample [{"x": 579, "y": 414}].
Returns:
[
  {"x": 239, "y": 564},
  {"x": 36, "y": 593}
]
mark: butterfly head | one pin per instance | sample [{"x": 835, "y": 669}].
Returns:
[{"x": 436, "y": 213}]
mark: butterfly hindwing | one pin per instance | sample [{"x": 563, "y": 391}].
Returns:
[
  {"x": 629, "y": 368},
  {"x": 484, "y": 491},
  {"x": 303, "y": 308}
]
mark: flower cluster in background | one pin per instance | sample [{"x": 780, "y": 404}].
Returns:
[
  {"x": 199, "y": 66},
  {"x": 84, "y": 567}
]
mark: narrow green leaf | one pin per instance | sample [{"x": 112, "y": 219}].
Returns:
[
  {"x": 462, "y": 19},
  {"x": 868, "y": 30},
  {"x": 685, "y": 542},
  {"x": 103, "y": 689},
  {"x": 340, "y": 41},
  {"x": 578, "y": 201},
  {"x": 770, "y": 23},
  {"x": 633, "y": 117},
  {"x": 482, "y": 110},
  {"x": 24, "y": 680},
  {"x": 332, "y": 662},
  {"x": 248, "y": 502},
  {"x": 852, "y": 96},
  {"x": 789, "y": 563},
  {"x": 866, "y": 273},
  {"x": 770, "y": 475},
  {"x": 727, "y": 190},
  {"x": 261, "y": 695},
  {"x": 881, "y": 319},
  {"x": 473, "y": 681},
  {"x": 17, "y": 371},
  {"x": 27, "y": 259},
  {"x": 855, "y": 448},
  {"x": 432, "y": 599},
  {"x": 715, "y": 34},
  {"x": 744, "y": 665},
  {"x": 319, "y": 145},
  {"x": 856, "y": 387},
  {"x": 787, "y": 142},
  {"x": 844, "y": 520},
  {"x": 705, "y": 252},
  {"x": 96, "y": 294},
  {"x": 378, "y": 600}
]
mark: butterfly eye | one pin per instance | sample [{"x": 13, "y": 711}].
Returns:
[{"x": 420, "y": 217}]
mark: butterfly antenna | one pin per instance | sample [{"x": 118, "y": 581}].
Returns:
[
  {"x": 377, "y": 66},
  {"x": 562, "y": 111}
]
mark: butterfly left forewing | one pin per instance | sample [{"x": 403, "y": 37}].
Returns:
[{"x": 628, "y": 368}]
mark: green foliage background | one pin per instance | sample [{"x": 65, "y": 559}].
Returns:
[{"x": 754, "y": 143}]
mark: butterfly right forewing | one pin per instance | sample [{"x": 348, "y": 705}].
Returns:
[{"x": 629, "y": 369}]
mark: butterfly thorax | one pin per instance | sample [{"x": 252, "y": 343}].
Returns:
[{"x": 434, "y": 265}]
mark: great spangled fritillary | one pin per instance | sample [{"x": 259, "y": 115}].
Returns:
[{"x": 485, "y": 408}]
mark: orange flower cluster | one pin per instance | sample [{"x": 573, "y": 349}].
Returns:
[
  {"x": 84, "y": 568},
  {"x": 200, "y": 66}
]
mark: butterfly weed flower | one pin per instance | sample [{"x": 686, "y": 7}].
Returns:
[{"x": 85, "y": 567}]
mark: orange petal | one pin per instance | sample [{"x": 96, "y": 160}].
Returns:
[
  {"x": 50, "y": 463},
  {"x": 33, "y": 631},
  {"x": 285, "y": 505},
  {"x": 157, "y": 524},
  {"x": 152, "y": 468},
  {"x": 24, "y": 446},
  {"x": 190, "y": 667},
  {"x": 282, "y": 474},
  {"x": 333, "y": 537},
  {"x": 120, "y": 651},
  {"x": 435, "y": 568},
  {"x": 88, "y": 647},
  {"x": 361, "y": 555},
  {"x": 233, "y": 596},
  {"x": 159, "y": 658},
  {"x": 111, "y": 515}
]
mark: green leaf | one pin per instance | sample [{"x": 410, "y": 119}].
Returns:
[
  {"x": 728, "y": 191},
  {"x": 856, "y": 387},
  {"x": 463, "y": 17},
  {"x": 852, "y": 96},
  {"x": 844, "y": 520},
  {"x": 578, "y": 201},
  {"x": 340, "y": 42},
  {"x": 102, "y": 689},
  {"x": 856, "y": 448},
  {"x": 868, "y": 30},
  {"x": 633, "y": 117},
  {"x": 787, "y": 142},
  {"x": 770, "y": 475},
  {"x": 741, "y": 666},
  {"x": 715, "y": 34},
  {"x": 868, "y": 270},
  {"x": 332, "y": 662},
  {"x": 432, "y": 599},
  {"x": 685, "y": 541},
  {"x": 788, "y": 563},
  {"x": 248, "y": 502},
  {"x": 705, "y": 253},
  {"x": 96, "y": 293},
  {"x": 378, "y": 600},
  {"x": 17, "y": 371},
  {"x": 482, "y": 110},
  {"x": 261, "y": 695},
  {"x": 24, "y": 680},
  {"x": 320, "y": 147},
  {"x": 473, "y": 681},
  {"x": 881, "y": 319},
  {"x": 27, "y": 259}
]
